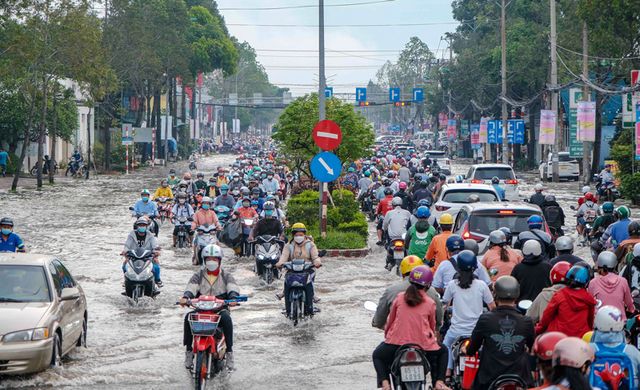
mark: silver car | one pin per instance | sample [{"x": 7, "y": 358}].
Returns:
[{"x": 43, "y": 313}]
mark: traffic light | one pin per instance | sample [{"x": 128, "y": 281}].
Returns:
[
  {"x": 402, "y": 103},
  {"x": 364, "y": 104}
]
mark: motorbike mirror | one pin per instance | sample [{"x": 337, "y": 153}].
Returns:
[
  {"x": 370, "y": 306},
  {"x": 322, "y": 253},
  {"x": 131, "y": 208},
  {"x": 190, "y": 219},
  {"x": 573, "y": 207},
  {"x": 525, "y": 304}
]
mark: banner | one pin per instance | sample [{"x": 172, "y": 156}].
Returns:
[
  {"x": 575, "y": 145},
  {"x": 143, "y": 134},
  {"x": 475, "y": 136},
  {"x": 587, "y": 121},
  {"x": 484, "y": 122},
  {"x": 547, "y": 127},
  {"x": 452, "y": 132},
  {"x": 442, "y": 120},
  {"x": 464, "y": 129},
  {"x": 637, "y": 140}
]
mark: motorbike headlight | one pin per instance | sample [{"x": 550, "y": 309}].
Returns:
[
  {"x": 26, "y": 335},
  {"x": 260, "y": 257}
]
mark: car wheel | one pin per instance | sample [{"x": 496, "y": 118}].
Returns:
[
  {"x": 82, "y": 340},
  {"x": 56, "y": 354}
]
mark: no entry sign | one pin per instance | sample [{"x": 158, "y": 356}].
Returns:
[{"x": 327, "y": 135}]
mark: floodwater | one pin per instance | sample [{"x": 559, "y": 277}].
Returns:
[{"x": 85, "y": 223}]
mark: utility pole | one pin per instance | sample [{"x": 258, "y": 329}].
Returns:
[
  {"x": 586, "y": 145},
  {"x": 503, "y": 73},
  {"x": 451, "y": 113},
  {"x": 554, "y": 94},
  {"x": 322, "y": 112},
  {"x": 167, "y": 125}
]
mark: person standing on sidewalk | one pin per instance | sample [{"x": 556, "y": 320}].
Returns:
[{"x": 4, "y": 159}]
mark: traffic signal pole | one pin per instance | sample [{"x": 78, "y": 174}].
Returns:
[{"x": 323, "y": 187}]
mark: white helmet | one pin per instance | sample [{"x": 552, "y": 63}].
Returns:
[
  {"x": 586, "y": 189},
  {"x": 532, "y": 247},
  {"x": 206, "y": 199},
  {"x": 538, "y": 187},
  {"x": 396, "y": 201},
  {"x": 636, "y": 250},
  {"x": 609, "y": 319},
  {"x": 211, "y": 250}
]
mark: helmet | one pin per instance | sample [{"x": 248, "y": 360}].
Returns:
[
  {"x": 206, "y": 199},
  {"x": 532, "y": 247},
  {"x": 402, "y": 185},
  {"x": 636, "y": 248},
  {"x": 224, "y": 187},
  {"x": 172, "y": 171},
  {"x": 446, "y": 219},
  {"x": 211, "y": 250},
  {"x": 145, "y": 192},
  {"x": 506, "y": 287},
  {"x": 424, "y": 202},
  {"x": 367, "y": 173},
  {"x": 472, "y": 245},
  {"x": 424, "y": 183},
  {"x": 609, "y": 319},
  {"x": 409, "y": 263},
  {"x": 388, "y": 191},
  {"x": 181, "y": 195},
  {"x": 623, "y": 212},
  {"x": 507, "y": 233},
  {"x": 578, "y": 275},
  {"x": 187, "y": 176},
  {"x": 386, "y": 182},
  {"x": 183, "y": 183},
  {"x": 607, "y": 207},
  {"x": 6, "y": 221},
  {"x": 141, "y": 221},
  {"x": 298, "y": 227},
  {"x": 607, "y": 260},
  {"x": 564, "y": 244},
  {"x": 634, "y": 228},
  {"x": 586, "y": 189},
  {"x": 245, "y": 191},
  {"x": 423, "y": 212},
  {"x": 269, "y": 206},
  {"x": 200, "y": 174},
  {"x": 587, "y": 336},
  {"x": 396, "y": 201},
  {"x": 497, "y": 237},
  {"x": 495, "y": 180},
  {"x": 571, "y": 352},
  {"x": 421, "y": 275},
  {"x": 455, "y": 243},
  {"x": 351, "y": 169},
  {"x": 545, "y": 343},
  {"x": 390, "y": 175},
  {"x": 538, "y": 187},
  {"x": 589, "y": 197},
  {"x": 535, "y": 222},
  {"x": 558, "y": 273},
  {"x": 473, "y": 198},
  {"x": 459, "y": 179},
  {"x": 550, "y": 198},
  {"x": 256, "y": 190},
  {"x": 467, "y": 261},
  {"x": 255, "y": 203}
]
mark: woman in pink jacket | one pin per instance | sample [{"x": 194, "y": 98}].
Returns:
[
  {"x": 412, "y": 320},
  {"x": 608, "y": 287}
]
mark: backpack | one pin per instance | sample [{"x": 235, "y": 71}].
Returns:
[
  {"x": 590, "y": 215},
  {"x": 307, "y": 247},
  {"x": 552, "y": 215},
  {"x": 612, "y": 368}
]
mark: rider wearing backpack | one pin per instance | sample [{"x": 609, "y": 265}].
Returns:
[
  {"x": 625, "y": 248},
  {"x": 631, "y": 272},
  {"x": 616, "y": 364},
  {"x": 587, "y": 212},
  {"x": 553, "y": 214}
]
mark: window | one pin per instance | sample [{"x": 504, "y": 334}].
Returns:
[
  {"x": 23, "y": 283},
  {"x": 462, "y": 196},
  {"x": 485, "y": 223},
  {"x": 460, "y": 219},
  {"x": 65, "y": 276},
  {"x": 57, "y": 282},
  {"x": 505, "y": 173}
]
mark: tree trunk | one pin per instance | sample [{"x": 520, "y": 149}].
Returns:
[
  {"x": 25, "y": 144},
  {"x": 107, "y": 146},
  {"x": 43, "y": 129},
  {"x": 53, "y": 135},
  {"x": 88, "y": 143}
]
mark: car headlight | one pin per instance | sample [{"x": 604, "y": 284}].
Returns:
[{"x": 26, "y": 335}]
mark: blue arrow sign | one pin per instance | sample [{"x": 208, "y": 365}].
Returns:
[
  {"x": 361, "y": 94},
  {"x": 418, "y": 94},
  {"x": 394, "y": 94},
  {"x": 328, "y": 92},
  {"x": 515, "y": 131},
  {"x": 326, "y": 167}
]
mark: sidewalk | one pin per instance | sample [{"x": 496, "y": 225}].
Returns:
[{"x": 28, "y": 182}]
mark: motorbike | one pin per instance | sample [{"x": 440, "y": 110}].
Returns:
[
  {"x": 267, "y": 250},
  {"x": 410, "y": 369},
  {"x": 247, "y": 226},
  {"x": 223, "y": 213},
  {"x": 45, "y": 168},
  {"x": 299, "y": 274},
  {"x": 204, "y": 236},
  {"x": 508, "y": 382},
  {"x": 209, "y": 344},
  {"x": 138, "y": 279},
  {"x": 396, "y": 251},
  {"x": 184, "y": 227},
  {"x": 153, "y": 224},
  {"x": 76, "y": 169},
  {"x": 465, "y": 367},
  {"x": 608, "y": 191},
  {"x": 192, "y": 165},
  {"x": 164, "y": 208}
]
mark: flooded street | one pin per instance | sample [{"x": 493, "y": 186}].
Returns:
[{"x": 85, "y": 223}]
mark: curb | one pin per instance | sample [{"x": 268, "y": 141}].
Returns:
[{"x": 362, "y": 252}]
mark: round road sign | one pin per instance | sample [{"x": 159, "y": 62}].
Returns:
[{"x": 327, "y": 135}]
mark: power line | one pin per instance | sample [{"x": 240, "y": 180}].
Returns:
[
  {"x": 596, "y": 57},
  {"x": 306, "y": 6},
  {"x": 329, "y": 50},
  {"x": 346, "y": 25}
]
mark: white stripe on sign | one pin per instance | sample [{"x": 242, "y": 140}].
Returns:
[{"x": 327, "y": 135}]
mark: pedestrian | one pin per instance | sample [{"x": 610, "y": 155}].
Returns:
[{"x": 4, "y": 159}]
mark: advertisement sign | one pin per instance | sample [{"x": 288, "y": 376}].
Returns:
[
  {"x": 464, "y": 129},
  {"x": 587, "y": 121},
  {"x": 442, "y": 120},
  {"x": 475, "y": 136},
  {"x": 127, "y": 134},
  {"x": 547, "y": 127},
  {"x": 484, "y": 122},
  {"x": 637, "y": 140},
  {"x": 452, "y": 132},
  {"x": 575, "y": 145}
]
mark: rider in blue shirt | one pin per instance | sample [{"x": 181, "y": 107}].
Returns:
[
  {"x": 495, "y": 182},
  {"x": 145, "y": 206},
  {"x": 9, "y": 241}
]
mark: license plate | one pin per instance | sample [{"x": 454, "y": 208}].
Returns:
[
  {"x": 398, "y": 255},
  {"x": 463, "y": 359},
  {"x": 412, "y": 373}
]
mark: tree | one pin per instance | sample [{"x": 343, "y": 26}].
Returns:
[{"x": 295, "y": 124}]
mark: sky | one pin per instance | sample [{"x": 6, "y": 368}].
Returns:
[{"x": 356, "y": 52}]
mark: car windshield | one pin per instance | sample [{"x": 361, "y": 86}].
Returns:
[
  {"x": 565, "y": 158},
  {"x": 23, "y": 283},
  {"x": 486, "y": 222},
  {"x": 488, "y": 173},
  {"x": 462, "y": 196}
]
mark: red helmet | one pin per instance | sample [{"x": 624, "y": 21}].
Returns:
[
  {"x": 402, "y": 185},
  {"x": 559, "y": 272},
  {"x": 545, "y": 343},
  {"x": 589, "y": 196}
]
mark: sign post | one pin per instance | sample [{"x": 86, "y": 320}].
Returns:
[
  {"x": 127, "y": 139},
  {"x": 326, "y": 166}
]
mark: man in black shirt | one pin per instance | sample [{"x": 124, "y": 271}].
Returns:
[
  {"x": 269, "y": 225},
  {"x": 505, "y": 336}
]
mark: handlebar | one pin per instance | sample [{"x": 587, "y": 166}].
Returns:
[{"x": 238, "y": 299}]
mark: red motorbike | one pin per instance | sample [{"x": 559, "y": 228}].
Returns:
[
  {"x": 164, "y": 208},
  {"x": 209, "y": 345}
]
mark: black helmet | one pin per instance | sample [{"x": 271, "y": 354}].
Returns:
[
  {"x": 388, "y": 191},
  {"x": 386, "y": 182},
  {"x": 495, "y": 180},
  {"x": 433, "y": 179},
  {"x": 6, "y": 221},
  {"x": 634, "y": 228},
  {"x": 472, "y": 245},
  {"x": 506, "y": 287},
  {"x": 255, "y": 190},
  {"x": 423, "y": 183},
  {"x": 200, "y": 174},
  {"x": 443, "y": 176},
  {"x": 550, "y": 198}
]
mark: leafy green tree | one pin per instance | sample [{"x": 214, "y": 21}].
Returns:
[{"x": 295, "y": 125}]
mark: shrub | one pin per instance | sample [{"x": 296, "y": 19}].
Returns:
[
  {"x": 359, "y": 226},
  {"x": 338, "y": 240},
  {"x": 630, "y": 187}
]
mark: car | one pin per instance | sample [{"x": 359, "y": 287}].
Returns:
[
  {"x": 568, "y": 168},
  {"x": 453, "y": 196},
  {"x": 43, "y": 313},
  {"x": 441, "y": 157},
  {"x": 483, "y": 173},
  {"x": 478, "y": 220}
]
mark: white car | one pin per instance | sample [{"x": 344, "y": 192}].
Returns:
[
  {"x": 454, "y": 196},
  {"x": 441, "y": 157},
  {"x": 568, "y": 168},
  {"x": 483, "y": 173}
]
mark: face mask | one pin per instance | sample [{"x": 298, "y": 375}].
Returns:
[
  {"x": 223, "y": 192},
  {"x": 246, "y": 204},
  {"x": 164, "y": 186},
  {"x": 236, "y": 179},
  {"x": 142, "y": 230},
  {"x": 212, "y": 265},
  {"x": 298, "y": 239},
  {"x": 205, "y": 207},
  {"x": 145, "y": 199},
  {"x": 268, "y": 213},
  {"x": 6, "y": 232},
  {"x": 270, "y": 177}
]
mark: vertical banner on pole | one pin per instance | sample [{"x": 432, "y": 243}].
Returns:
[
  {"x": 452, "y": 131},
  {"x": 482, "y": 131},
  {"x": 587, "y": 121},
  {"x": 475, "y": 136},
  {"x": 127, "y": 139},
  {"x": 547, "y": 127},
  {"x": 637, "y": 139},
  {"x": 153, "y": 147}
]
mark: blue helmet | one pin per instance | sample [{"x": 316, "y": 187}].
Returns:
[
  {"x": 424, "y": 202},
  {"x": 578, "y": 275},
  {"x": 455, "y": 243},
  {"x": 535, "y": 222},
  {"x": 467, "y": 260},
  {"x": 459, "y": 179},
  {"x": 423, "y": 212}
]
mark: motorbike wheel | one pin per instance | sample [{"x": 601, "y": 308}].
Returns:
[
  {"x": 135, "y": 294},
  {"x": 66, "y": 173},
  {"x": 201, "y": 369},
  {"x": 268, "y": 275},
  {"x": 34, "y": 171},
  {"x": 83, "y": 171},
  {"x": 181, "y": 241}
]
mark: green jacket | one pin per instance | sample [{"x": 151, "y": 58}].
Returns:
[{"x": 418, "y": 246}]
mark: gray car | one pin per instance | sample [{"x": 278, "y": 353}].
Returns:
[{"x": 43, "y": 313}]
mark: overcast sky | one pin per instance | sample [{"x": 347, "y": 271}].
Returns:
[{"x": 364, "y": 49}]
